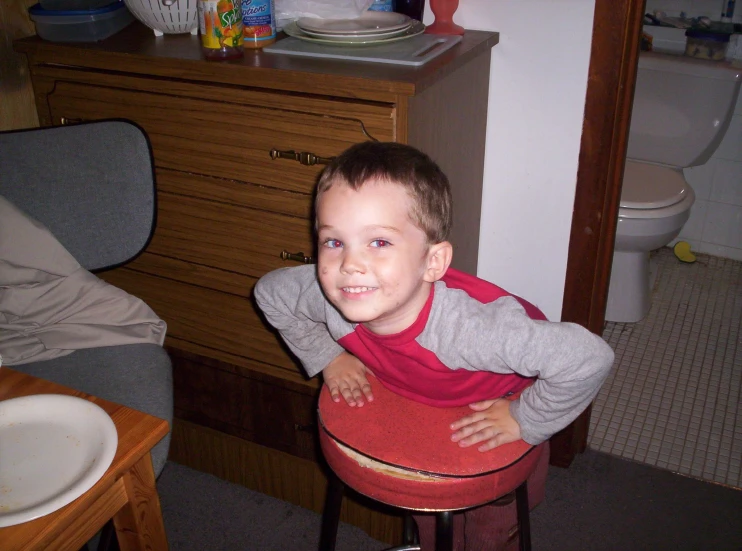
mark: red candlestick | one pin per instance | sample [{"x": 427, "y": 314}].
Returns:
[{"x": 443, "y": 11}]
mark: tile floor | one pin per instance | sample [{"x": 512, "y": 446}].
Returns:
[{"x": 673, "y": 397}]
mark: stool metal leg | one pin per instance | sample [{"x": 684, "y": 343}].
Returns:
[
  {"x": 410, "y": 540},
  {"x": 409, "y": 535},
  {"x": 331, "y": 513},
  {"x": 444, "y": 531},
  {"x": 524, "y": 519}
]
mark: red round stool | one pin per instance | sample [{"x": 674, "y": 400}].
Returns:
[{"x": 399, "y": 452}]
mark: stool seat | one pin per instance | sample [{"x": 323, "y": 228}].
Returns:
[{"x": 400, "y": 452}]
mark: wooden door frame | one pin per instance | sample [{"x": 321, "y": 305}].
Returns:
[{"x": 610, "y": 92}]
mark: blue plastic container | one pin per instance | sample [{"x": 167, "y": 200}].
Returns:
[{"x": 80, "y": 25}]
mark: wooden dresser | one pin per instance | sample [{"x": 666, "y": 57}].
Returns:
[{"x": 237, "y": 148}]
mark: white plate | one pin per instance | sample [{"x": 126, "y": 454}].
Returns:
[
  {"x": 368, "y": 22},
  {"x": 415, "y": 29},
  {"x": 366, "y": 36},
  {"x": 53, "y": 448}
]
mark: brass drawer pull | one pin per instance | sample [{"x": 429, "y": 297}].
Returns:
[
  {"x": 298, "y": 257},
  {"x": 65, "y": 120},
  {"x": 303, "y": 157}
]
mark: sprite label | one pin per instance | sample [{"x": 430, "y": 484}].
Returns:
[{"x": 220, "y": 23}]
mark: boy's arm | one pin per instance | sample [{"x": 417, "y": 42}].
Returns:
[
  {"x": 569, "y": 362},
  {"x": 567, "y": 381},
  {"x": 293, "y": 303}
]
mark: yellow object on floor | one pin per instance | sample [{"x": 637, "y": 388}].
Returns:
[{"x": 682, "y": 251}]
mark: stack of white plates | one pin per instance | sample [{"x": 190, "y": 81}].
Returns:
[{"x": 373, "y": 27}]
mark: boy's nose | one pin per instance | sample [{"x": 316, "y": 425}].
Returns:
[{"x": 352, "y": 263}]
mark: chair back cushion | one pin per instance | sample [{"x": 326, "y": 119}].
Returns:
[{"x": 91, "y": 185}]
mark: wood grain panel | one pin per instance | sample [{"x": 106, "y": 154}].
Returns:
[
  {"x": 139, "y": 524},
  {"x": 16, "y": 92},
  {"x": 220, "y": 138},
  {"x": 234, "y": 192},
  {"x": 180, "y": 58},
  {"x": 233, "y": 283},
  {"x": 206, "y": 317},
  {"x": 377, "y": 116},
  {"x": 259, "y": 411},
  {"x": 236, "y": 239},
  {"x": 277, "y": 474},
  {"x": 88, "y": 523},
  {"x": 294, "y": 380}
]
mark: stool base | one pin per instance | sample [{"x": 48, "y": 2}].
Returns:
[{"x": 443, "y": 524}]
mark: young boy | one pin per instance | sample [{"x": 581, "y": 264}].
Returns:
[{"x": 382, "y": 300}]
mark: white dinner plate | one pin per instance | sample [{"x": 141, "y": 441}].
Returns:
[
  {"x": 366, "y": 36},
  {"x": 415, "y": 29},
  {"x": 368, "y": 22},
  {"x": 53, "y": 448}
]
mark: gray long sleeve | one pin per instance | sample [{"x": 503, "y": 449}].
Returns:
[
  {"x": 293, "y": 303},
  {"x": 569, "y": 362}
]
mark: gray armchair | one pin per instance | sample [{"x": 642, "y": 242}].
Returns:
[{"x": 92, "y": 185}]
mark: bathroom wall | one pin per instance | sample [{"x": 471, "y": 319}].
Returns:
[{"x": 715, "y": 225}]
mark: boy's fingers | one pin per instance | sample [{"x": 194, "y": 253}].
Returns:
[
  {"x": 467, "y": 421},
  {"x": 499, "y": 440},
  {"x": 348, "y": 395},
  {"x": 358, "y": 397},
  {"x": 468, "y": 432},
  {"x": 367, "y": 392},
  {"x": 334, "y": 393},
  {"x": 490, "y": 444},
  {"x": 484, "y": 404}
]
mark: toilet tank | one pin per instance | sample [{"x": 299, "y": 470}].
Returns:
[{"x": 682, "y": 108}]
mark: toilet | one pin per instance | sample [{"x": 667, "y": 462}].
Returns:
[{"x": 682, "y": 108}]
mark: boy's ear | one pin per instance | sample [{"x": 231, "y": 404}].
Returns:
[{"x": 439, "y": 259}]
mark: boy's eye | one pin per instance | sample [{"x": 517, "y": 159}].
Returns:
[
  {"x": 332, "y": 243},
  {"x": 380, "y": 243}
]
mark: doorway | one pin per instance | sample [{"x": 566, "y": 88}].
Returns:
[{"x": 610, "y": 92}]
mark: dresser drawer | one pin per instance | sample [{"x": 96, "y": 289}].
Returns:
[
  {"x": 210, "y": 393},
  {"x": 227, "y": 237},
  {"x": 235, "y": 192},
  {"x": 206, "y": 317},
  {"x": 232, "y": 138}
]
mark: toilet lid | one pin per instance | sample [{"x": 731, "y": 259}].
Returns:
[{"x": 648, "y": 186}]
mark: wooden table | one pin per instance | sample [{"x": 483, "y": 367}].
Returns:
[{"x": 126, "y": 492}]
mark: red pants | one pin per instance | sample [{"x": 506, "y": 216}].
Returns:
[{"x": 489, "y": 527}]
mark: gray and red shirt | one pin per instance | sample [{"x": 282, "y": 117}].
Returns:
[{"x": 472, "y": 341}]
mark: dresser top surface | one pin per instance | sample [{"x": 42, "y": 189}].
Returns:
[{"x": 136, "y": 49}]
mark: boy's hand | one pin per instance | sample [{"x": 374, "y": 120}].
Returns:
[
  {"x": 491, "y": 425},
  {"x": 346, "y": 376}
]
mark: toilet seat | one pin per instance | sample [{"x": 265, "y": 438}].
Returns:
[{"x": 647, "y": 186}]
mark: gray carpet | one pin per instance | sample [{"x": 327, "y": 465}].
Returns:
[{"x": 601, "y": 503}]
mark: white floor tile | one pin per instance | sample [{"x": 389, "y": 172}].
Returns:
[{"x": 673, "y": 397}]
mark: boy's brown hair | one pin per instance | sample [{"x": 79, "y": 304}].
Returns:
[{"x": 397, "y": 164}]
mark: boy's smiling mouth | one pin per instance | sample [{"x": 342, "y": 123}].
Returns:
[{"x": 357, "y": 290}]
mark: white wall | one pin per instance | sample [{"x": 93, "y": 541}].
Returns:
[{"x": 536, "y": 107}]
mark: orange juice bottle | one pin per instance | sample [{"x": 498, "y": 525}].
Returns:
[
  {"x": 258, "y": 23},
  {"x": 220, "y": 24}
]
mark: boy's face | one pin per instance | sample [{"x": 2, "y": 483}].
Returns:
[{"x": 373, "y": 261}]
